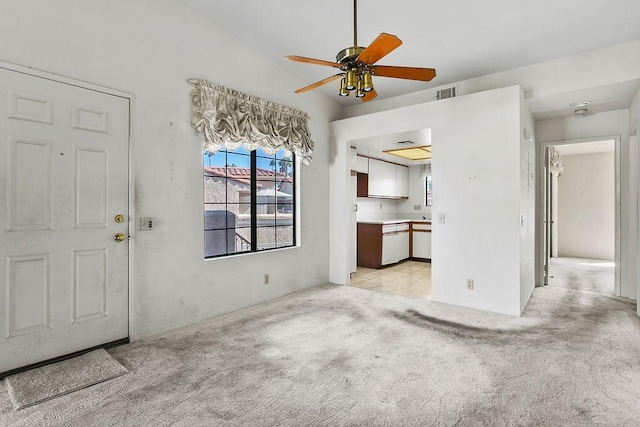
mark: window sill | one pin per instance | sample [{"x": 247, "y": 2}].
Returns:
[{"x": 252, "y": 253}]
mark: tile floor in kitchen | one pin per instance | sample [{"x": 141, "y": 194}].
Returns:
[{"x": 410, "y": 278}]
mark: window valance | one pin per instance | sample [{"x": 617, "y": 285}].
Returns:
[
  {"x": 227, "y": 118},
  {"x": 556, "y": 165}
]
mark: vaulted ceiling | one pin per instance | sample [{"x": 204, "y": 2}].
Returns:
[{"x": 462, "y": 39}]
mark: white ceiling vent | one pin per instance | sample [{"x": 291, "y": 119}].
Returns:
[
  {"x": 405, "y": 142},
  {"x": 445, "y": 93}
]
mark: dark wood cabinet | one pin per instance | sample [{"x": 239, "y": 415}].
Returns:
[
  {"x": 363, "y": 185},
  {"x": 369, "y": 245},
  {"x": 385, "y": 244}
]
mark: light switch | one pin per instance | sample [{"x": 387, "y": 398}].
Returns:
[
  {"x": 147, "y": 224},
  {"x": 440, "y": 218}
]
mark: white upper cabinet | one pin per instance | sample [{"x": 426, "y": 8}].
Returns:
[
  {"x": 388, "y": 179},
  {"x": 402, "y": 181},
  {"x": 382, "y": 179}
]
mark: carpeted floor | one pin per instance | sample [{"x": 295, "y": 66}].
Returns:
[
  {"x": 343, "y": 356},
  {"x": 584, "y": 274}
]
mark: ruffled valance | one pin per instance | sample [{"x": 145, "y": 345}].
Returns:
[
  {"x": 230, "y": 119},
  {"x": 556, "y": 165}
]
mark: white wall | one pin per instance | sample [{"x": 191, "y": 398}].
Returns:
[
  {"x": 634, "y": 128},
  {"x": 527, "y": 203},
  {"x": 476, "y": 163},
  {"x": 150, "y": 48},
  {"x": 376, "y": 209},
  {"x": 609, "y": 65},
  {"x": 609, "y": 123},
  {"x": 416, "y": 197},
  {"x": 586, "y": 197}
]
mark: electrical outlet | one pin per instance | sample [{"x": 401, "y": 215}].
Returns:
[
  {"x": 416, "y": 207},
  {"x": 441, "y": 218},
  {"x": 380, "y": 205},
  {"x": 266, "y": 279},
  {"x": 470, "y": 284}
]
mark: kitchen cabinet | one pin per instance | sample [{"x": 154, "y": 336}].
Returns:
[
  {"x": 402, "y": 181},
  {"x": 382, "y": 179},
  {"x": 380, "y": 245},
  {"x": 387, "y": 180},
  {"x": 395, "y": 243},
  {"x": 421, "y": 240}
]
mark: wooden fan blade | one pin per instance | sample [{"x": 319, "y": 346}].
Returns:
[
  {"x": 368, "y": 96},
  {"x": 319, "y": 83},
  {"x": 312, "y": 61},
  {"x": 379, "y": 48},
  {"x": 409, "y": 73}
]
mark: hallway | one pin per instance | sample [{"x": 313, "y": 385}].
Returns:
[{"x": 582, "y": 274}]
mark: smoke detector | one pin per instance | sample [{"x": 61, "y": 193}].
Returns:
[
  {"x": 580, "y": 112},
  {"x": 579, "y": 104}
]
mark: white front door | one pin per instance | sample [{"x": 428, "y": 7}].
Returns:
[{"x": 63, "y": 179}]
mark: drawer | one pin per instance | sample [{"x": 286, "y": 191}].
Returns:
[
  {"x": 419, "y": 226},
  {"x": 388, "y": 228},
  {"x": 404, "y": 226}
]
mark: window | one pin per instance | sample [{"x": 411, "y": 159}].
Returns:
[
  {"x": 428, "y": 191},
  {"x": 249, "y": 201}
]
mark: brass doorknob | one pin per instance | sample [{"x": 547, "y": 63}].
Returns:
[{"x": 119, "y": 237}]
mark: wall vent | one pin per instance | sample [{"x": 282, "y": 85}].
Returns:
[{"x": 449, "y": 92}]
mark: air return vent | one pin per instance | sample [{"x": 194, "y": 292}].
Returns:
[{"x": 445, "y": 93}]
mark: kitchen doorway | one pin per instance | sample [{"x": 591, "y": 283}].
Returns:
[{"x": 390, "y": 223}]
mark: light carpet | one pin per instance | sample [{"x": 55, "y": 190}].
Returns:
[
  {"x": 50, "y": 381},
  {"x": 341, "y": 356},
  {"x": 585, "y": 274}
]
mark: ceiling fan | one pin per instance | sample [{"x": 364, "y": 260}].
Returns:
[{"x": 357, "y": 65}]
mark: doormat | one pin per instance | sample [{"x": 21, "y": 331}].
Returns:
[{"x": 37, "y": 385}]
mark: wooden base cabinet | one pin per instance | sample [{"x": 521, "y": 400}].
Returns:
[{"x": 380, "y": 245}]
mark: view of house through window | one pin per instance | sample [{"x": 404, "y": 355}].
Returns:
[
  {"x": 428, "y": 193},
  {"x": 249, "y": 201}
]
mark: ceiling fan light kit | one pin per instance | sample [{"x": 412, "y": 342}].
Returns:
[{"x": 356, "y": 64}]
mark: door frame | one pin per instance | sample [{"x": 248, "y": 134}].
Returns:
[
  {"x": 540, "y": 204},
  {"x": 131, "y": 176}
]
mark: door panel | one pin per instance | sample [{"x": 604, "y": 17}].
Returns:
[{"x": 63, "y": 178}]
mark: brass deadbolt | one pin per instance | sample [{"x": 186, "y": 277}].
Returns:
[{"x": 119, "y": 218}]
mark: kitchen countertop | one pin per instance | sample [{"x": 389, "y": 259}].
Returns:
[{"x": 395, "y": 221}]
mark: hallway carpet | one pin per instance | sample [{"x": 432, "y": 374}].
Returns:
[
  {"x": 583, "y": 274},
  {"x": 343, "y": 356}
]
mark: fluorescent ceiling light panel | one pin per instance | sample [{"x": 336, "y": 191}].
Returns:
[{"x": 412, "y": 153}]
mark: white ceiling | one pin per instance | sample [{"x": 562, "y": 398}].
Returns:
[
  {"x": 374, "y": 147},
  {"x": 462, "y": 39}
]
